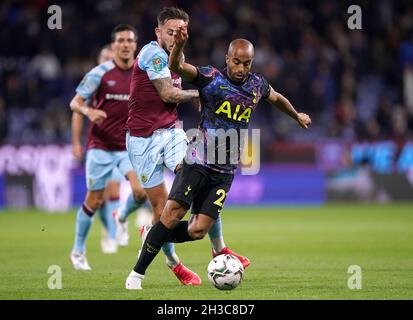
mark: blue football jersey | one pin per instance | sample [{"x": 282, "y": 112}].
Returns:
[{"x": 226, "y": 109}]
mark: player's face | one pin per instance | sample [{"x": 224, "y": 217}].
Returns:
[
  {"x": 239, "y": 64},
  {"x": 165, "y": 33},
  {"x": 105, "y": 55},
  {"x": 124, "y": 46}
]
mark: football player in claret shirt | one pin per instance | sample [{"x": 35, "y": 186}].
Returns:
[
  {"x": 108, "y": 241},
  {"x": 154, "y": 138},
  {"x": 111, "y": 235},
  {"x": 228, "y": 98},
  {"x": 109, "y": 84}
]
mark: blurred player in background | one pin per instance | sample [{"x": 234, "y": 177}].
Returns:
[
  {"x": 111, "y": 195},
  {"x": 110, "y": 239},
  {"x": 154, "y": 138},
  {"x": 228, "y": 98},
  {"x": 109, "y": 84}
]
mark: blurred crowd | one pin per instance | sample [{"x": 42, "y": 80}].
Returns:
[{"x": 356, "y": 84}]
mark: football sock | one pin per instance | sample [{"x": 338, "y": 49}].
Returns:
[
  {"x": 180, "y": 233},
  {"x": 102, "y": 215},
  {"x": 168, "y": 249},
  {"x": 130, "y": 206},
  {"x": 83, "y": 222},
  {"x": 111, "y": 205},
  {"x": 216, "y": 237},
  {"x": 153, "y": 243}
]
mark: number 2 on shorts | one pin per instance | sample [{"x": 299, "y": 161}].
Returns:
[{"x": 222, "y": 194}]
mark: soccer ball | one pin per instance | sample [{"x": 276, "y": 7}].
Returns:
[{"x": 225, "y": 272}]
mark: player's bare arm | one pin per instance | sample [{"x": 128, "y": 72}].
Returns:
[
  {"x": 186, "y": 71},
  {"x": 285, "y": 106},
  {"x": 77, "y": 126},
  {"x": 78, "y": 105},
  {"x": 169, "y": 94}
]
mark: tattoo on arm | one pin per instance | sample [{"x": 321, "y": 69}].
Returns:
[
  {"x": 170, "y": 94},
  {"x": 162, "y": 85}
]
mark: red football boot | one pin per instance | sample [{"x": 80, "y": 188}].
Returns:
[
  {"x": 186, "y": 276},
  {"x": 244, "y": 260}
]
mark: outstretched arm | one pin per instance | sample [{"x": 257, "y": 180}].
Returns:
[
  {"x": 285, "y": 106},
  {"x": 176, "y": 58}
]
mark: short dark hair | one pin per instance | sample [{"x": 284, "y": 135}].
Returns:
[
  {"x": 168, "y": 13},
  {"x": 123, "y": 27}
]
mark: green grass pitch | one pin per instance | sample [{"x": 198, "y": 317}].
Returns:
[{"x": 295, "y": 253}]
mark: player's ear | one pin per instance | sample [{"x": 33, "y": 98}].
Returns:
[
  {"x": 226, "y": 59},
  {"x": 158, "y": 32}
]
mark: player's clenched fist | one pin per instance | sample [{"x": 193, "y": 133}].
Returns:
[
  {"x": 181, "y": 35},
  {"x": 96, "y": 116},
  {"x": 303, "y": 120}
]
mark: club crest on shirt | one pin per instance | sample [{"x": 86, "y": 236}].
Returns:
[
  {"x": 157, "y": 64},
  {"x": 144, "y": 178},
  {"x": 111, "y": 83}
]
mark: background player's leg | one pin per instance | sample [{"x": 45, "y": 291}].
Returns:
[
  {"x": 102, "y": 214},
  {"x": 84, "y": 218},
  {"x": 105, "y": 232},
  {"x": 135, "y": 200},
  {"x": 111, "y": 203},
  {"x": 99, "y": 165},
  {"x": 93, "y": 202}
]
